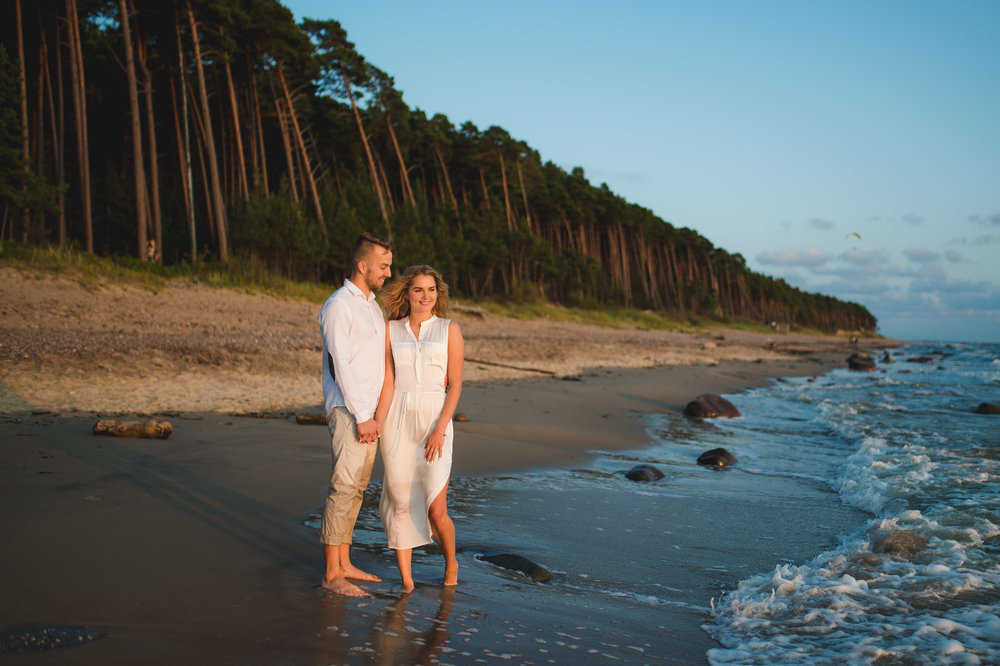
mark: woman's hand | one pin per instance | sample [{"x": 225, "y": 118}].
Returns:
[{"x": 434, "y": 445}]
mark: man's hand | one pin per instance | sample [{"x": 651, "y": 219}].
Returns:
[{"x": 368, "y": 431}]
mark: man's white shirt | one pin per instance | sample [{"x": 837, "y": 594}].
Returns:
[{"x": 353, "y": 331}]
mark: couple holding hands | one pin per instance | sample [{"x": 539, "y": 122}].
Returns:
[{"x": 395, "y": 389}]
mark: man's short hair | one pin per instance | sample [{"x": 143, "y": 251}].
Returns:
[{"x": 364, "y": 245}]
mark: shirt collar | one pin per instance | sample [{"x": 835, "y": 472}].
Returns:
[{"x": 356, "y": 290}]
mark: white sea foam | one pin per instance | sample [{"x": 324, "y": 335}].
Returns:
[{"x": 920, "y": 583}]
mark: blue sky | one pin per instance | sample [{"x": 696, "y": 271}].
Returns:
[{"x": 777, "y": 129}]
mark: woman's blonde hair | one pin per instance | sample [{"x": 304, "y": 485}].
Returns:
[{"x": 396, "y": 299}]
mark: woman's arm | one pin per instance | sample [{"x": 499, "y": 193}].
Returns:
[
  {"x": 456, "y": 359},
  {"x": 388, "y": 385}
]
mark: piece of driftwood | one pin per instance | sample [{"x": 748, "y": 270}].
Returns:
[
  {"x": 310, "y": 418},
  {"x": 505, "y": 365},
  {"x": 140, "y": 429}
]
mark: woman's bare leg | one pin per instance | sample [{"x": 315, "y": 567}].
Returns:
[
  {"x": 444, "y": 533},
  {"x": 404, "y": 557}
]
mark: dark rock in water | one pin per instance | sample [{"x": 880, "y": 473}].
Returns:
[
  {"x": 860, "y": 361},
  {"x": 519, "y": 564},
  {"x": 717, "y": 458},
  {"x": 902, "y": 543},
  {"x": 461, "y": 417},
  {"x": 988, "y": 408},
  {"x": 644, "y": 473},
  {"x": 38, "y": 639},
  {"x": 887, "y": 357},
  {"x": 923, "y": 359},
  {"x": 710, "y": 405}
]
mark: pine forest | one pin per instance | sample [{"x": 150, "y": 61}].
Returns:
[{"x": 224, "y": 128}]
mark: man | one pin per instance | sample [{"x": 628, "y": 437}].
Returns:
[{"x": 353, "y": 331}]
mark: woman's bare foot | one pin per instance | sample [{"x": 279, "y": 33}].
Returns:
[
  {"x": 451, "y": 574},
  {"x": 351, "y": 571},
  {"x": 406, "y": 587},
  {"x": 343, "y": 587}
]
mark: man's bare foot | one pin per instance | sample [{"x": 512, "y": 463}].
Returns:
[
  {"x": 343, "y": 587},
  {"x": 351, "y": 571},
  {"x": 451, "y": 575}
]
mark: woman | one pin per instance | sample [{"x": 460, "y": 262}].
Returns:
[{"x": 423, "y": 382}]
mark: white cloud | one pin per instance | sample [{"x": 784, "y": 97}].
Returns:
[
  {"x": 823, "y": 225},
  {"x": 807, "y": 256},
  {"x": 954, "y": 256},
  {"x": 912, "y": 219},
  {"x": 920, "y": 255}
]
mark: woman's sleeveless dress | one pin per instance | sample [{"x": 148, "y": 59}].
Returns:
[{"x": 411, "y": 483}]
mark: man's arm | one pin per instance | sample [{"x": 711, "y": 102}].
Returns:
[{"x": 336, "y": 327}]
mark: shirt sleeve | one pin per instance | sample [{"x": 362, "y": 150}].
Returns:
[{"x": 336, "y": 325}]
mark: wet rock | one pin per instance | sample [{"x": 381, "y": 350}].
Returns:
[
  {"x": 717, "y": 458},
  {"x": 518, "y": 564},
  {"x": 902, "y": 543},
  {"x": 988, "y": 408},
  {"x": 710, "y": 405},
  {"x": 923, "y": 359},
  {"x": 461, "y": 417},
  {"x": 861, "y": 362},
  {"x": 644, "y": 473},
  {"x": 887, "y": 357}
]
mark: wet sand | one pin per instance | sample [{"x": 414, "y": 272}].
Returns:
[{"x": 197, "y": 548}]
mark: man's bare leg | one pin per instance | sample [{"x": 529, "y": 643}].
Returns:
[
  {"x": 335, "y": 578},
  {"x": 351, "y": 571}
]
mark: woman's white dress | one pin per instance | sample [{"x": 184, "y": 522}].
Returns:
[{"x": 411, "y": 483}]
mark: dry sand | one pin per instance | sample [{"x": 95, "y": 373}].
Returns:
[
  {"x": 196, "y": 549},
  {"x": 75, "y": 348}
]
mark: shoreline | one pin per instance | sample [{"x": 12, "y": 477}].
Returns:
[{"x": 198, "y": 547}]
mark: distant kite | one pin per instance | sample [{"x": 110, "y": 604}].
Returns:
[{"x": 855, "y": 234}]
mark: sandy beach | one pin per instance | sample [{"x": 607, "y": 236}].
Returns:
[{"x": 200, "y": 547}]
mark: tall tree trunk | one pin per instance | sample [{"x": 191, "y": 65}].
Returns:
[
  {"x": 38, "y": 231},
  {"x": 524, "y": 197},
  {"x": 56, "y": 116},
  {"x": 385, "y": 183},
  {"x": 307, "y": 167},
  {"x": 241, "y": 169},
  {"x": 259, "y": 153},
  {"x": 506, "y": 195},
  {"x": 80, "y": 108},
  {"x": 25, "y": 140},
  {"x": 133, "y": 100},
  {"x": 188, "y": 177},
  {"x": 183, "y": 158},
  {"x": 403, "y": 173},
  {"x": 447, "y": 180},
  {"x": 287, "y": 143},
  {"x": 154, "y": 167},
  {"x": 368, "y": 152},
  {"x": 217, "y": 202},
  {"x": 486, "y": 193}
]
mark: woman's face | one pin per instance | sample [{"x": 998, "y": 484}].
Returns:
[{"x": 422, "y": 294}]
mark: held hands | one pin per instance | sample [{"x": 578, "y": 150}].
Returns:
[
  {"x": 434, "y": 445},
  {"x": 368, "y": 431}
]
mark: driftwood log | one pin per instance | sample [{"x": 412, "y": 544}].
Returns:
[
  {"x": 308, "y": 418},
  {"x": 140, "y": 429}
]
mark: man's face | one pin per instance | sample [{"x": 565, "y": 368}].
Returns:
[{"x": 377, "y": 268}]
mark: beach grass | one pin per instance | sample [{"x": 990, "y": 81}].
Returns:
[{"x": 252, "y": 276}]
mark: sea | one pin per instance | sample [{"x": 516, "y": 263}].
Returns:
[{"x": 860, "y": 525}]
